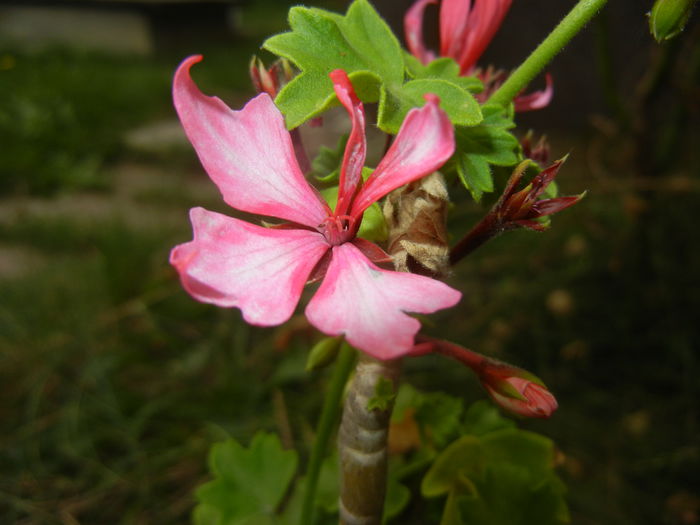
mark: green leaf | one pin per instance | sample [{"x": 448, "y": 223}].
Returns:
[
  {"x": 489, "y": 143},
  {"x": 454, "y": 467},
  {"x": 384, "y": 395},
  {"x": 482, "y": 418},
  {"x": 504, "y": 477},
  {"x": 510, "y": 495},
  {"x": 360, "y": 43},
  {"x": 444, "y": 68},
  {"x": 457, "y": 102},
  {"x": 529, "y": 450},
  {"x": 326, "y": 166},
  {"x": 439, "y": 414},
  {"x": 397, "y": 497},
  {"x": 248, "y": 484}
]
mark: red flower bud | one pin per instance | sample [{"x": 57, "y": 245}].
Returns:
[
  {"x": 264, "y": 80},
  {"x": 511, "y": 389}
]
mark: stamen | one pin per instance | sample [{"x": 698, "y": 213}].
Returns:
[{"x": 338, "y": 229}]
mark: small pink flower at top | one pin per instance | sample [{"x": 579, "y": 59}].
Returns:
[
  {"x": 465, "y": 32},
  {"x": 232, "y": 263}
]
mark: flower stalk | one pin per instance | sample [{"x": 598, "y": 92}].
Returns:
[
  {"x": 362, "y": 442},
  {"x": 572, "y": 23},
  {"x": 329, "y": 415}
]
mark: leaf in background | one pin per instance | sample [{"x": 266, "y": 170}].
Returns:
[
  {"x": 510, "y": 495},
  {"x": 359, "y": 42},
  {"x": 397, "y": 497},
  {"x": 453, "y": 468},
  {"x": 248, "y": 484},
  {"x": 326, "y": 166},
  {"x": 482, "y": 417},
  {"x": 439, "y": 414},
  {"x": 504, "y": 477},
  {"x": 479, "y": 146}
]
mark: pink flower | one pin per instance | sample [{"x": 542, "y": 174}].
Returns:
[
  {"x": 232, "y": 263},
  {"x": 465, "y": 32}
]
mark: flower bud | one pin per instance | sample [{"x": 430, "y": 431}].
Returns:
[
  {"x": 512, "y": 388},
  {"x": 668, "y": 18},
  {"x": 264, "y": 80},
  {"x": 517, "y": 394}
]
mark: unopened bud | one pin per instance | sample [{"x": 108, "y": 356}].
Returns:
[
  {"x": 264, "y": 80},
  {"x": 323, "y": 353},
  {"x": 669, "y": 17},
  {"x": 519, "y": 395}
]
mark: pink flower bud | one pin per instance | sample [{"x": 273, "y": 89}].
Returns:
[
  {"x": 512, "y": 388},
  {"x": 264, "y": 80},
  {"x": 517, "y": 394}
]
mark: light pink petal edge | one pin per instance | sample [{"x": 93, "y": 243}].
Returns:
[
  {"x": 356, "y": 146},
  {"x": 232, "y": 263},
  {"x": 423, "y": 144},
  {"x": 247, "y": 153},
  {"x": 454, "y": 17},
  {"x": 536, "y": 99},
  {"x": 413, "y": 29},
  {"x": 484, "y": 21},
  {"x": 368, "y": 304}
]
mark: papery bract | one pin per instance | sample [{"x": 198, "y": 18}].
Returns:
[{"x": 231, "y": 263}]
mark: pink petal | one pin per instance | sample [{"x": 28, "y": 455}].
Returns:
[
  {"x": 454, "y": 16},
  {"x": 248, "y": 153},
  {"x": 367, "y": 304},
  {"x": 231, "y": 262},
  {"x": 536, "y": 99},
  {"x": 484, "y": 21},
  {"x": 356, "y": 147},
  {"x": 423, "y": 144},
  {"x": 413, "y": 29}
]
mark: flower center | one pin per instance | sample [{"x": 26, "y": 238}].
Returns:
[{"x": 338, "y": 229}]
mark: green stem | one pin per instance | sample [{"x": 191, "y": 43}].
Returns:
[
  {"x": 329, "y": 416},
  {"x": 545, "y": 52}
]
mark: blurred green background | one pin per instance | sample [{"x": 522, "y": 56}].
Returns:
[{"x": 116, "y": 383}]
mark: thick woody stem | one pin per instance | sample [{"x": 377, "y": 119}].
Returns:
[
  {"x": 362, "y": 444},
  {"x": 417, "y": 241}
]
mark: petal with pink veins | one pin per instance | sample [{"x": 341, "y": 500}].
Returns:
[
  {"x": 413, "y": 29},
  {"x": 454, "y": 19},
  {"x": 356, "y": 147},
  {"x": 247, "y": 153},
  {"x": 423, "y": 144},
  {"x": 368, "y": 304},
  {"x": 536, "y": 99},
  {"x": 484, "y": 21},
  {"x": 233, "y": 263}
]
